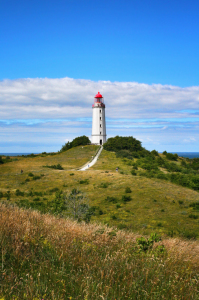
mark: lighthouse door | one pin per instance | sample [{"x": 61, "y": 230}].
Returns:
[{"x": 100, "y": 142}]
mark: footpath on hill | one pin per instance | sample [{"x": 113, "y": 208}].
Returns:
[{"x": 92, "y": 162}]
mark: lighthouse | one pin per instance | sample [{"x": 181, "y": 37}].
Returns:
[{"x": 98, "y": 123}]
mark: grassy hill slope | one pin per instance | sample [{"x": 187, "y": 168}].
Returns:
[
  {"x": 44, "y": 257},
  {"x": 154, "y": 205}
]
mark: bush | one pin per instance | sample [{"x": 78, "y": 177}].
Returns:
[
  {"x": 128, "y": 190},
  {"x": 36, "y": 199},
  {"x": 171, "y": 156},
  {"x": 145, "y": 244},
  {"x": 119, "y": 143},
  {"x": 155, "y": 153},
  {"x": 79, "y": 141},
  {"x": 124, "y": 154},
  {"x": 133, "y": 172},
  {"x": 1, "y": 160},
  {"x": 111, "y": 199},
  {"x": 35, "y": 177},
  {"x": 56, "y": 189},
  {"x": 30, "y": 174},
  {"x": 8, "y": 195},
  {"x": 57, "y": 167},
  {"x": 192, "y": 216},
  {"x": 195, "y": 205},
  {"x": 126, "y": 198},
  {"x": 19, "y": 193},
  {"x": 104, "y": 185},
  {"x": 1, "y": 195},
  {"x": 86, "y": 181}
]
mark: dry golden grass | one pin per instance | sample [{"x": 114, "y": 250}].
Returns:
[{"x": 44, "y": 257}]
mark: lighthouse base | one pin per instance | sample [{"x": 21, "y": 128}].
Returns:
[{"x": 98, "y": 139}]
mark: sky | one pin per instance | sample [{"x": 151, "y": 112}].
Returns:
[{"x": 142, "y": 55}]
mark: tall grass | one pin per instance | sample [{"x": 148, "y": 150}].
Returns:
[{"x": 44, "y": 257}]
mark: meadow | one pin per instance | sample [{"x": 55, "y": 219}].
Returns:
[
  {"x": 140, "y": 240},
  {"x": 120, "y": 199},
  {"x": 47, "y": 257}
]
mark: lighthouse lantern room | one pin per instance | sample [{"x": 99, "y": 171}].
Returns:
[{"x": 98, "y": 123}]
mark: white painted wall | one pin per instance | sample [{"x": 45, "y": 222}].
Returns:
[{"x": 98, "y": 124}]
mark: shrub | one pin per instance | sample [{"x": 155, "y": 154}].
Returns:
[
  {"x": 171, "y": 156},
  {"x": 8, "y": 195},
  {"x": 56, "y": 167},
  {"x": 155, "y": 153},
  {"x": 195, "y": 205},
  {"x": 180, "y": 202},
  {"x": 128, "y": 190},
  {"x": 192, "y": 216},
  {"x": 162, "y": 176},
  {"x": 122, "y": 226},
  {"x": 133, "y": 172},
  {"x": 124, "y": 154},
  {"x": 104, "y": 185},
  {"x": 79, "y": 141},
  {"x": 36, "y": 177},
  {"x": 119, "y": 143},
  {"x": 86, "y": 181},
  {"x": 191, "y": 235},
  {"x": 1, "y": 195},
  {"x": 1, "y": 160},
  {"x": 31, "y": 174},
  {"x": 135, "y": 167},
  {"x": 111, "y": 199},
  {"x": 38, "y": 194},
  {"x": 71, "y": 174},
  {"x": 36, "y": 199},
  {"x": 56, "y": 189},
  {"x": 145, "y": 244},
  {"x": 126, "y": 198},
  {"x": 19, "y": 193}
]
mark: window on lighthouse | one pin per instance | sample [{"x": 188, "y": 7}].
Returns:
[
  {"x": 100, "y": 118},
  {"x": 100, "y": 125},
  {"x": 100, "y": 111}
]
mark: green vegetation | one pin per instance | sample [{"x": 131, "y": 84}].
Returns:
[
  {"x": 56, "y": 167},
  {"x": 44, "y": 257},
  {"x": 79, "y": 141},
  {"x": 155, "y": 194}
]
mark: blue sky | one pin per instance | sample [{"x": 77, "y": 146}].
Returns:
[{"x": 142, "y": 56}]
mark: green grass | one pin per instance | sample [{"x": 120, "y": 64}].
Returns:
[{"x": 152, "y": 201}]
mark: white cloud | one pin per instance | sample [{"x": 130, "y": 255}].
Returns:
[
  {"x": 57, "y": 110},
  {"x": 67, "y": 97}
]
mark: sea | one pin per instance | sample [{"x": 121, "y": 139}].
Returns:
[
  {"x": 16, "y": 154},
  {"x": 182, "y": 154}
]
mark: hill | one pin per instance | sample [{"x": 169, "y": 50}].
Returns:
[{"x": 133, "y": 202}]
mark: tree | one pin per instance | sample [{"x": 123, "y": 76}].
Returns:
[
  {"x": 1, "y": 160},
  {"x": 77, "y": 205}
]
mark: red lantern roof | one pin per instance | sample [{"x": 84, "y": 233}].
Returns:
[{"x": 98, "y": 95}]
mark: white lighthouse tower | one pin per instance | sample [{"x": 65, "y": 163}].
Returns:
[{"x": 98, "y": 124}]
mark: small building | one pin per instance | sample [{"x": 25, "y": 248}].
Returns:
[{"x": 98, "y": 122}]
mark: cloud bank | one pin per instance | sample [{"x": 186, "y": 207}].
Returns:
[{"x": 51, "y": 111}]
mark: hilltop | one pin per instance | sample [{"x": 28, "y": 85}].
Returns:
[{"x": 134, "y": 198}]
